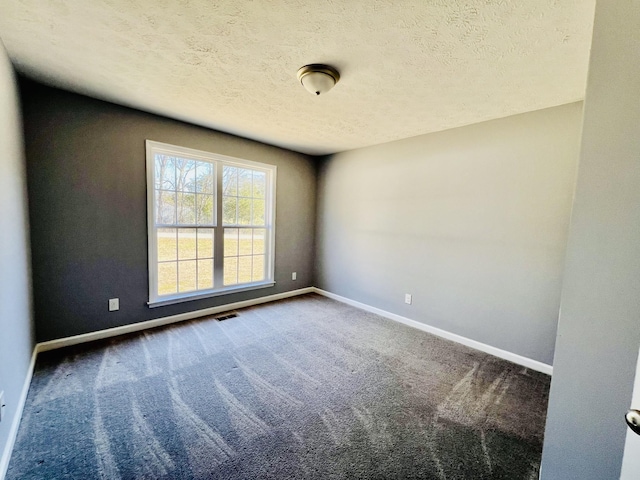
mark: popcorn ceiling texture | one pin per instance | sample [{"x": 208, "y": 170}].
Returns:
[{"x": 407, "y": 67}]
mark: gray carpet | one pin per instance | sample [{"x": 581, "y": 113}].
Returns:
[{"x": 304, "y": 388}]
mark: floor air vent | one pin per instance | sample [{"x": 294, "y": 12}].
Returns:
[{"x": 226, "y": 316}]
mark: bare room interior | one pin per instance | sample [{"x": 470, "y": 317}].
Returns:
[{"x": 319, "y": 239}]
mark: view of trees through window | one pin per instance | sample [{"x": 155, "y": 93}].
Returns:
[{"x": 186, "y": 201}]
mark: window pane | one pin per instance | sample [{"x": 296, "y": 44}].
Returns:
[
  {"x": 167, "y": 244},
  {"x": 259, "y": 184},
  {"x": 165, "y": 207},
  {"x": 186, "y": 243},
  {"x": 258, "y": 240},
  {"x": 204, "y": 211},
  {"x": 231, "y": 270},
  {"x": 244, "y": 269},
  {"x": 167, "y": 278},
  {"x": 229, "y": 181},
  {"x": 205, "y": 274},
  {"x": 204, "y": 177},
  {"x": 244, "y": 211},
  {"x": 258, "y": 212},
  {"x": 187, "y": 276},
  {"x": 165, "y": 173},
  {"x": 186, "y": 209},
  {"x": 186, "y": 175},
  {"x": 205, "y": 242},
  {"x": 230, "y": 242},
  {"x": 245, "y": 241},
  {"x": 258, "y": 268},
  {"x": 245, "y": 177},
  {"x": 229, "y": 214}
]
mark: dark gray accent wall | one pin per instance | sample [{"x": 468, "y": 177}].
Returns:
[
  {"x": 471, "y": 221},
  {"x": 88, "y": 211},
  {"x": 16, "y": 326},
  {"x": 599, "y": 327}
]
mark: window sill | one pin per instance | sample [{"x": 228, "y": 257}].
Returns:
[{"x": 198, "y": 296}]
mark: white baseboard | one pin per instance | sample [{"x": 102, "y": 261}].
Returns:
[
  {"x": 512, "y": 357},
  {"x": 158, "y": 322},
  {"x": 136, "y": 327},
  {"x": 13, "y": 431}
]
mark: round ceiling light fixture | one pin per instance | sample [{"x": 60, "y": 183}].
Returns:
[{"x": 318, "y": 78}]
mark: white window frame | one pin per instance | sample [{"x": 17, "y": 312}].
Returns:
[{"x": 219, "y": 161}]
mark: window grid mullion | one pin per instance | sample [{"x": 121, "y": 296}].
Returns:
[
  {"x": 218, "y": 245},
  {"x": 252, "y": 239},
  {"x": 197, "y": 262},
  {"x": 251, "y": 218},
  {"x": 177, "y": 257}
]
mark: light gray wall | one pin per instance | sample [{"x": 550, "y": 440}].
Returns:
[
  {"x": 599, "y": 328},
  {"x": 88, "y": 210},
  {"x": 472, "y": 222},
  {"x": 16, "y": 329}
]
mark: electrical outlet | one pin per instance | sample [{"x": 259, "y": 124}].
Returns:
[
  {"x": 407, "y": 298},
  {"x": 294, "y": 276},
  {"x": 2, "y": 405},
  {"x": 114, "y": 304}
]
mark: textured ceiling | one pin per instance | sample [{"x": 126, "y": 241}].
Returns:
[{"x": 407, "y": 67}]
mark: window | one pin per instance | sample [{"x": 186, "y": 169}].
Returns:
[{"x": 211, "y": 224}]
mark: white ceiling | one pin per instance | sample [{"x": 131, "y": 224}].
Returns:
[{"x": 407, "y": 67}]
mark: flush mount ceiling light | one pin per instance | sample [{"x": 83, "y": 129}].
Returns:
[{"x": 318, "y": 78}]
